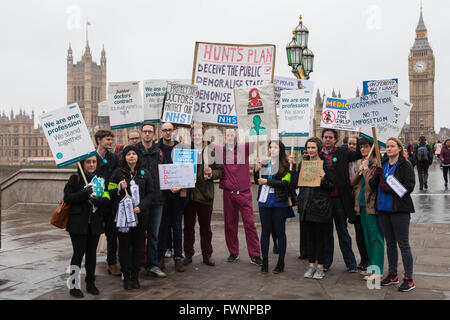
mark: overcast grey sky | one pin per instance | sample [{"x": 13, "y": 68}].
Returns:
[{"x": 352, "y": 41}]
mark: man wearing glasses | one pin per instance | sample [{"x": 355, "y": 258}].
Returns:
[
  {"x": 133, "y": 137},
  {"x": 152, "y": 156}
]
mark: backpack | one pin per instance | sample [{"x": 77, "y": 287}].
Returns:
[
  {"x": 422, "y": 153},
  {"x": 60, "y": 216}
]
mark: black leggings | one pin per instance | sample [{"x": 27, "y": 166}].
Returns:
[
  {"x": 315, "y": 241},
  {"x": 85, "y": 244},
  {"x": 445, "y": 170},
  {"x": 131, "y": 250}
]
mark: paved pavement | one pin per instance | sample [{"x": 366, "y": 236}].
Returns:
[{"x": 35, "y": 255}]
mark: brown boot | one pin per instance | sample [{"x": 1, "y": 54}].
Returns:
[
  {"x": 179, "y": 265},
  {"x": 161, "y": 264},
  {"x": 114, "y": 270}
]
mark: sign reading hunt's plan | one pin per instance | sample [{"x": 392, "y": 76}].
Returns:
[
  {"x": 219, "y": 68},
  {"x": 256, "y": 110},
  {"x": 385, "y": 130},
  {"x": 370, "y": 110},
  {"x": 125, "y": 105},
  {"x": 67, "y": 135},
  {"x": 283, "y": 83},
  {"x": 335, "y": 115},
  {"x": 179, "y": 103},
  {"x": 295, "y": 113},
  {"x": 176, "y": 176},
  {"x": 376, "y": 86},
  {"x": 154, "y": 91}
]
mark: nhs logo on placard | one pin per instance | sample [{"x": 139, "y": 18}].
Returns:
[{"x": 222, "y": 119}]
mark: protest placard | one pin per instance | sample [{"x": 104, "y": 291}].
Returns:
[
  {"x": 67, "y": 135},
  {"x": 295, "y": 113},
  {"x": 255, "y": 108},
  {"x": 186, "y": 156},
  {"x": 179, "y": 103},
  {"x": 125, "y": 105},
  {"x": 103, "y": 109},
  {"x": 310, "y": 173},
  {"x": 386, "y": 130},
  {"x": 376, "y": 86},
  {"x": 219, "y": 68},
  {"x": 154, "y": 91},
  {"x": 370, "y": 110},
  {"x": 283, "y": 83},
  {"x": 176, "y": 176},
  {"x": 335, "y": 115}
]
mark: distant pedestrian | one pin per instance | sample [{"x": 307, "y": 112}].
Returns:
[
  {"x": 395, "y": 212},
  {"x": 445, "y": 160},
  {"x": 423, "y": 157}
]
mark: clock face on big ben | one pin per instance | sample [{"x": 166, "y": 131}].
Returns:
[{"x": 420, "y": 66}]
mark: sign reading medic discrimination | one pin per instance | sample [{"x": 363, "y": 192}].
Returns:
[
  {"x": 219, "y": 68},
  {"x": 179, "y": 103},
  {"x": 125, "y": 105},
  {"x": 67, "y": 135}
]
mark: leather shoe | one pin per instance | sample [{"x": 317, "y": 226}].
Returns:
[
  {"x": 114, "y": 270},
  {"x": 208, "y": 261},
  {"x": 179, "y": 266},
  {"x": 77, "y": 293},
  {"x": 127, "y": 284},
  {"x": 91, "y": 288},
  {"x": 161, "y": 264},
  {"x": 187, "y": 261},
  {"x": 135, "y": 284}
]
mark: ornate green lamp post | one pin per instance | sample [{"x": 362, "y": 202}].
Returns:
[{"x": 300, "y": 58}]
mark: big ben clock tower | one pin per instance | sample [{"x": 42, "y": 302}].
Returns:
[{"x": 421, "y": 86}]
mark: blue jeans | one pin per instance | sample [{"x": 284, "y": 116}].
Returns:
[
  {"x": 171, "y": 221},
  {"x": 273, "y": 218},
  {"x": 345, "y": 241},
  {"x": 155, "y": 214}
]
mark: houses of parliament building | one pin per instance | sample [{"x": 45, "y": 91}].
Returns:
[{"x": 21, "y": 142}]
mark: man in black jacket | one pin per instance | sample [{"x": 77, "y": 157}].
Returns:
[
  {"x": 341, "y": 197},
  {"x": 423, "y": 157},
  {"x": 105, "y": 168},
  {"x": 152, "y": 156}
]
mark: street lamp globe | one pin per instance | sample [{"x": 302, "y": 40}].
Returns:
[
  {"x": 308, "y": 61},
  {"x": 301, "y": 34},
  {"x": 294, "y": 53}
]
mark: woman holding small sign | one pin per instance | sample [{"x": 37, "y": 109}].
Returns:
[
  {"x": 314, "y": 205},
  {"x": 395, "y": 181},
  {"x": 130, "y": 190},
  {"x": 273, "y": 193},
  {"x": 85, "y": 223}
]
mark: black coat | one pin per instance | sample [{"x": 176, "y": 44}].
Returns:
[
  {"x": 80, "y": 212},
  {"x": 314, "y": 203},
  {"x": 151, "y": 159},
  {"x": 281, "y": 187},
  {"x": 404, "y": 173},
  {"x": 338, "y": 174},
  {"x": 144, "y": 180},
  {"x": 106, "y": 166}
]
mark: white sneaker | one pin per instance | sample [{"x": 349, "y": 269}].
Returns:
[
  {"x": 319, "y": 274},
  {"x": 156, "y": 272},
  {"x": 309, "y": 272},
  {"x": 168, "y": 254}
]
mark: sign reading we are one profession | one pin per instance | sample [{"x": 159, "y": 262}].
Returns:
[
  {"x": 67, "y": 135},
  {"x": 219, "y": 68}
]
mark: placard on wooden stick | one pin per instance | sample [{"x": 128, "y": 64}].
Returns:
[{"x": 310, "y": 173}]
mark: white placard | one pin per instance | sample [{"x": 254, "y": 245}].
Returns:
[
  {"x": 395, "y": 185},
  {"x": 154, "y": 91},
  {"x": 125, "y": 105},
  {"x": 283, "y": 83},
  {"x": 335, "y": 115},
  {"x": 219, "y": 68},
  {"x": 103, "y": 109},
  {"x": 376, "y": 86},
  {"x": 387, "y": 130},
  {"x": 176, "y": 176},
  {"x": 294, "y": 118},
  {"x": 179, "y": 103},
  {"x": 370, "y": 110},
  {"x": 67, "y": 135}
]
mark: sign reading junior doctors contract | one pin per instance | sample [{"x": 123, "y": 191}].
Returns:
[
  {"x": 219, "y": 68},
  {"x": 67, "y": 135},
  {"x": 125, "y": 104}
]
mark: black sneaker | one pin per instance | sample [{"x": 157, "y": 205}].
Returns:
[
  {"x": 77, "y": 293},
  {"x": 233, "y": 257},
  {"x": 256, "y": 260},
  {"x": 390, "y": 279},
  {"x": 425, "y": 185},
  {"x": 407, "y": 285}
]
